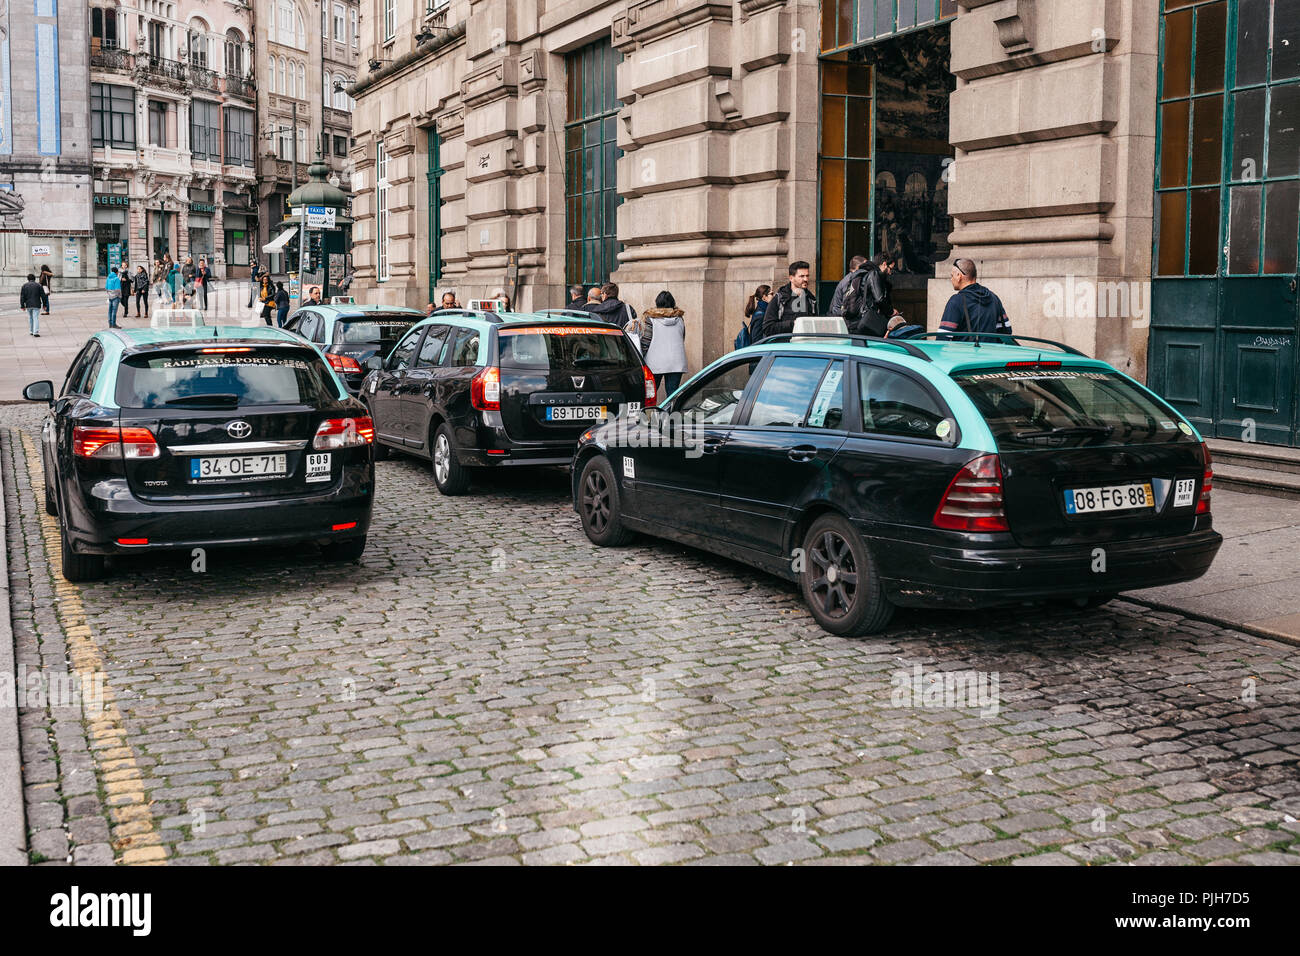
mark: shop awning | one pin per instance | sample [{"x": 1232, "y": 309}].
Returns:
[{"x": 279, "y": 242}]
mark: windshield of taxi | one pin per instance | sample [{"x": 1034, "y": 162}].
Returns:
[{"x": 1069, "y": 407}]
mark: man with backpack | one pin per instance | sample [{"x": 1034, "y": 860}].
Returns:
[
  {"x": 865, "y": 297},
  {"x": 972, "y": 308}
]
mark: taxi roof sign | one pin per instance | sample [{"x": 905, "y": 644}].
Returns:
[{"x": 176, "y": 319}]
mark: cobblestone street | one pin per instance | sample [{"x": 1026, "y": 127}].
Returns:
[{"x": 487, "y": 686}]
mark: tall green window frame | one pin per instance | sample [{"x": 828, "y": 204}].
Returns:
[
  {"x": 1228, "y": 153},
  {"x": 433, "y": 177},
  {"x": 846, "y": 23},
  {"x": 591, "y": 154},
  {"x": 845, "y": 166}
]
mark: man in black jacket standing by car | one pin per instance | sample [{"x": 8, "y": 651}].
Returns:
[
  {"x": 972, "y": 308},
  {"x": 864, "y": 297},
  {"x": 793, "y": 299}
]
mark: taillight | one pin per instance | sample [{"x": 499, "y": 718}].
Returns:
[
  {"x": 343, "y": 363},
  {"x": 335, "y": 433},
  {"x": 485, "y": 390},
  {"x": 1033, "y": 365},
  {"x": 973, "y": 501},
  {"x": 649, "y": 387},
  {"x": 129, "y": 443},
  {"x": 1207, "y": 482}
]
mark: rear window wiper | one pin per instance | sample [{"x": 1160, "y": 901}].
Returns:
[
  {"x": 1102, "y": 431},
  {"x": 213, "y": 398}
]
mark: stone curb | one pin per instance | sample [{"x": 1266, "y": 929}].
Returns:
[{"x": 13, "y": 824}]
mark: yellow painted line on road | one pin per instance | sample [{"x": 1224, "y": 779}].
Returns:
[{"x": 135, "y": 836}]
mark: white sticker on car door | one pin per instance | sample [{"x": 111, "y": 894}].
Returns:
[
  {"x": 629, "y": 468},
  {"x": 1184, "y": 491},
  {"x": 318, "y": 467}
]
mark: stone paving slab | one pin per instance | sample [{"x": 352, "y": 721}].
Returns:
[{"x": 488, "y": 687}]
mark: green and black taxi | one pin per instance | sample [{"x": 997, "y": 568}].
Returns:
[
  {"x": 924, "y": 473},
  {"x": 203, "y": 437}
]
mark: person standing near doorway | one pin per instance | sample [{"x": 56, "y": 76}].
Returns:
[
  {"x": 663, "y": 342},
  {"x": 972, "y": 307},
  {"x": 29, "y": 298},
  {"x": 47, "y": 281}
]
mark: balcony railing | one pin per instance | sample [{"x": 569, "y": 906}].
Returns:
[
  {"x": 159, "y": 66},
  {"x": 107, "y": 58},
  {"x": 238, "y": 86},
  {"x": 204, "y": 79},
  {"x": 438, "y": 19}
]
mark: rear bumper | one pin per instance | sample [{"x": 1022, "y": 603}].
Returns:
[
  {"x": 110, "y": 512},
  {"x": 925, "y": 576},
  {"x": 496, "y": 449}
]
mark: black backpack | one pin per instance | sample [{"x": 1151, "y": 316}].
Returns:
[{"x": 851, "y": 304}]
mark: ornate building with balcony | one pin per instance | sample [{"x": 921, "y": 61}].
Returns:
[
  {"x": 302, "y": 73},
  {"x": 173, "y": 128}
]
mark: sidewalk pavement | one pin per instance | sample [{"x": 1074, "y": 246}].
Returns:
[{"x": 1252, "y": 584}]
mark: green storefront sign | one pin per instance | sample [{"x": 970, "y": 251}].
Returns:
[{"x": 106, "y": 200}]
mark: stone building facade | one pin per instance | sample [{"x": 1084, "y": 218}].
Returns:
[
  {"x": 45, "y": 173},
  {"x": 1085, "y": 155},
  {"x": 311, "y": 49},
  {"x": 173, "y": 120}
]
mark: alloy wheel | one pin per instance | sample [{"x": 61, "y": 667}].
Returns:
[
  {"x": 595, "y": 501},
  {"x": 441, "y": 458},
  {"x": 834, "y": 575}
]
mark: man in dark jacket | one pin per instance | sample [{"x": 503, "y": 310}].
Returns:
[
  {"x": 837, "y": 300},
  {"x": 866, "y": 297},
  {"x": 29, "y": 297},
  {"x": 972, "y": 308},
  {"x": 793, "y": 299},
  {"x": 577, "y": 297},
  {"x": 611, "y": 308}
]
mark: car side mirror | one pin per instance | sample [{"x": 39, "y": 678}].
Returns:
[
  {"x": 42, "y": 391},
  {"x": 374, "y": 363}
]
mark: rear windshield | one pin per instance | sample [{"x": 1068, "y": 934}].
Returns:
[
  {"x": 560, "y": 347},
  {"x": 214, "y": 378},
  {"x": 1069, "y": 408},
  {"x": 379, "y": 329}
]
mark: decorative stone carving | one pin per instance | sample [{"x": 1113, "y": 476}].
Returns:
[
  {"x": 1016, "y": 29},
  {"x": 727, "y": 92}
]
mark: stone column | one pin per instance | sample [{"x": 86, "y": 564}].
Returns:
[{"x": 1053, "y": 121}]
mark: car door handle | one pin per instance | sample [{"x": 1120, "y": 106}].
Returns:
[
  {"x": 712, "y": 446},
  {"x": 802, "y": 453}
]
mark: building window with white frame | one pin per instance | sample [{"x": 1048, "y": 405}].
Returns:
[
  {"x": 390, "y": 19},
  {"x": 340, "y": 24},
  {"x": 356, "y": 29},
  {"x": 381, "y": 212}
]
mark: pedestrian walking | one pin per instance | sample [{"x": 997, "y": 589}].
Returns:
[
  {"x": 611, "y": 308},
  {"x": 47, "y": 284},
  {"x": 665, "y": 344},
  {"x": 187, "y": 280},
  {"x": 173, "y": 276},
  {"x": 254, "y": 283},
  {"x": 792, "y": 300},
  {"x": 29, "y": 298},
  {"x": 124, "y": 275},
  {"x": 202, "y": 276},
  {"x": 281, "y": 304},
  {"x": 159, "y": 280},
  {"x": 113, "y": 286},
  {"x": 266, "y": 295},
  {"x": 972, "y": 307},
  {"x": 140, "y": 285},
  {"x": 751, "y": 329}
]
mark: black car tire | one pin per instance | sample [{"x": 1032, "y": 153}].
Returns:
[
  {"x": 451, "y": 477},
  {"x": 599, "y": 505},
  {"x": 80, "y": 567},
  {"x": 349, "y": 550},
  {"x": 839, "y": 580},
  {"x": 51, "y": 508}
]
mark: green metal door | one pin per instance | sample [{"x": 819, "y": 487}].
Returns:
[
  {"x": 1224, "y": 304},
  {"x": 433, "y": 177}
]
